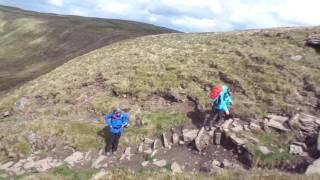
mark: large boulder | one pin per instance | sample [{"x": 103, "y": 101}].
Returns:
[
  {"x": 202, "y": 140},
  {"x": 74, "y": 158},
  {"x": 314, "y": 168},
  {"x": 306, "y": 123},
  {"x": 189, "y": 134}
]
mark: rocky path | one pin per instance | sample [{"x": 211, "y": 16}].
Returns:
[{"x": 182, "y": 149}]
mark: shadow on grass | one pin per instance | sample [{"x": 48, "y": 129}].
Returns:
[{"x": 104, "y": 133}]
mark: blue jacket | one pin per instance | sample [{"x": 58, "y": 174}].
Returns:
[
  {"x": 223, "y": 101},
  {"x": 116, "y": 123}
]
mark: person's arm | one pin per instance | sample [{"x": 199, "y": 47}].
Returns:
[
  {"x": 107, "y": 120},
  {"x": 125, "y": 120}
]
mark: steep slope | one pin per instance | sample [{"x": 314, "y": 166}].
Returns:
[
  {"x": 163, "y": 82},
  {"x": 260, "y": 66},
  {"x": 35, "y": 43}
]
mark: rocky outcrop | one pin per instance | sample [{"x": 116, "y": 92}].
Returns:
[
  {"x": 314, "y": 168},
  {"x": 202, "y": 140},
  {"x": 74, "y": 158},
  {"x": 189, "y": 134},
  {"x": 305, "y": 123}
]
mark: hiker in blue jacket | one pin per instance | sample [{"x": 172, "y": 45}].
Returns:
[
  {"x": 117, "y": 120},
  {"x": 220, "y": 105}
]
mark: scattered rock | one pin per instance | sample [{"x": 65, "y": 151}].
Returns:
[
  {"x": 155, "y": 144},
  {"x": 296, "y": 150},
  {"x": 145, "y": 163},
  {"x": 226, "y": 124},
  {"x": 264, "y": 150},
  {"x": 181, "y": 142},
  {"x": 216, "y": 163},
  {"x": 306, "y": 123},
  {"x": 227, "y": 164},
  {"x": 236, "y": 127},
  {"x": 148, "y": 151},
  {"x": 160, "y": 163},
  {"x": 6, "y": 114},
  {"x": 277, "y": 125},
  {"x": 127, "y": 154},
  {"x": 189, "y": 135},
  {"x": 165, "y": 141},
  {"x": 98, "y": 162},
  {"x": 148, "y": 141},
  {"x": 6, "y": 165},
  {"x": 175, "y": 168},
  {"x": 251, "y": 139},
  {"x": 314, "y": 168},
  {"x": 74, "y": 158},
  {"x": 217, "y": 137},
  {"x": 47, "y": 163},
  {"x": 296, "y": 58},
  {"x": 254, "y": 126},
  {"x": 202, "y": 140},
  {"x": 303, "y": 145},
  {"x": 175, "y": 138},
  {"x": 281, "y": 119},
  {"x": 140, "y": 148},
  {"x": 238, "y": 141}
]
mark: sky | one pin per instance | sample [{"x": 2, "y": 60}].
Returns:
[{"x": 188, "y": 15}]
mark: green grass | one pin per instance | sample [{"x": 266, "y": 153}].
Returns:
[
  {"x": 73, "y": 174},
  {"x": 274, "y": 142},
  {"x": 159, "y": 122},
  {"x": 256, "y": 65}
]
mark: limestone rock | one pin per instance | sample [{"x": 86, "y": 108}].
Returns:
[
  {"x": 74, "y": 158},
  {"x": 175, "y": 168},
  {"x": 6, "y": 165},
  {"x": 160, "y": 163},
  {"x": 165, "y": 141},
  {"x": 98, "y": 163},
  {"x": 216, "y": 163},
  {"x": 238, "y": 141},
  {"x": 175, "y": 138},
  {"x": 264, "y": 150},
  {"x": 145, "y": 163},
  {"x": 226, "y": 124},
  {"x": 127, "y": 154},
  {"x": 314, "y": 168},
  {"x": 202, "y": 140},
  {"x": 296, "y": 150},
  {"x": 189, "y": 135},
  {"x": 277, "y": 125},
  {"x": 296, "y": 58}
]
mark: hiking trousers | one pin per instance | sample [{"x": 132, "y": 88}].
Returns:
[
  {"x": 112, "y": 145},
  {"x": 217, "y": 116}
]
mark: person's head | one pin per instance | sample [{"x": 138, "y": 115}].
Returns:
[
  {"x": 226, "y": 89},
  {"x": 116, "y": 110}
]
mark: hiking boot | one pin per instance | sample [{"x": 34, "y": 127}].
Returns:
[{"x": 108, "y": 153}]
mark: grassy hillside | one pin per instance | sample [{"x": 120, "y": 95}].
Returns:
[
  {"x": 35, "y": 43},
  {"x": 258, "y": 65},
  {"x": 154, "y": 78}
]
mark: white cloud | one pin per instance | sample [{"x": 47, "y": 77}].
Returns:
[
  {"x": 56, "y": 2},
  {"x": 194, "y": 24},
  {"x": 193, "y": 15}
]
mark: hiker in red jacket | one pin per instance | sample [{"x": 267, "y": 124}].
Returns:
[{"x": 220, "y": 100}]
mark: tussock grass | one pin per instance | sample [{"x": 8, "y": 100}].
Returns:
[
  {"x": 277, "y": 143},
  {"x": 256, "y": 64}
]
